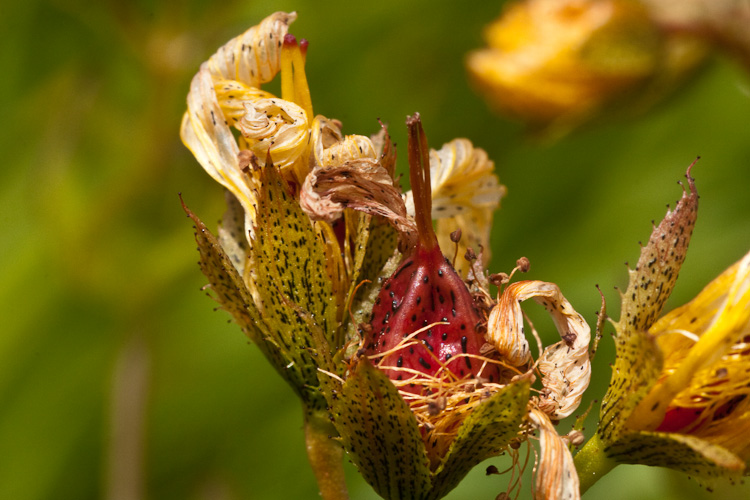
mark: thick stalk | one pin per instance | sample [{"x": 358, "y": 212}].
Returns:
[
  {"x": 325, "y": 455},
  {"x": 592, "y": 463}
]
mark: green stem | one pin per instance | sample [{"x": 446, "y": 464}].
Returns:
[
  {"x": 325, "y": 455},
  {"x": 592, "y": 463}
]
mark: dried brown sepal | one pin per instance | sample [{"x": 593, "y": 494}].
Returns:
[{"x": 363, "y": 185}]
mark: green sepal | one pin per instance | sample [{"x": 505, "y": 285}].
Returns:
[
  {"x": 230, "y": 291},
  {"x": 689, "y": 454},
  {"x": 636, "y": 369},
  {"x": 484, "y": 434},
  {"x": 374, "y": 261},
  {"x": 638, "y": 363},
  {"x": 379, "y": 432},
  {"x": 290, "y": 283}
]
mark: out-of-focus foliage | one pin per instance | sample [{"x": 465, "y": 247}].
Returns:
[{"x": 116, "y": 378}]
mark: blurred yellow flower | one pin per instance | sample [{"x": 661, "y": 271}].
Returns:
[{"x": 558, "y": 63}]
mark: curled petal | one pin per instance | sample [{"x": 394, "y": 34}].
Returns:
[
  {"x": 232, "y": 96},
  {"x": 556, "y": 477},
  {"x": 210, "y": 139},
  {"x": 363, "y": 185},
  {"x": 276, "y": 127},
  {"x": 332, "y": 148},
  {"x": 565, "y": 366},
  {"x": 250, "y": 59},
  {"x": 253, "y": 57},
  {"x": 505, "y": 330}
]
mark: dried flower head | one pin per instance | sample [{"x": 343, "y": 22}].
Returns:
[{"x": 312, "y": 260}]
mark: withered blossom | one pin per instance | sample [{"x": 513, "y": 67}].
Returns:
[
  {"x": 433, "y": 390},
  {"x": 315, "y": 232}
]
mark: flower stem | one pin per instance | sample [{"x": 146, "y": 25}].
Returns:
[
  {"x": 592, "y": 463},
  {"x": 325, "y": 455}
]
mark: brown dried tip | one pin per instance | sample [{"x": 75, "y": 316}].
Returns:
[
  {"x": 523, "y": 264},
  {"x": 575, "y": 437},
  {"x": 456, "y": 235},
  {"x": 470, "y": 255},
  {"x": 499, "y": 279},
  {"x": 247, "y": 158}
]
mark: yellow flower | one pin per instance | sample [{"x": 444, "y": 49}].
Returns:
[
  {"x": 705, "y": 381},
  {"x": 680, "y": 384},
  {"x": 557, "y": 63}
]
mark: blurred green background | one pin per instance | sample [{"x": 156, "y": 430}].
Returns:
[{"x": 117, "y": 379}]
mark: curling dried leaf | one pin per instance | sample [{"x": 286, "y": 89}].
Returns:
[
  {"x": 288, "y": 278},
  {"x": 380, "y": 433},
  {"x": 362, "y": 185},
  {"x": 484, "y": 434}
]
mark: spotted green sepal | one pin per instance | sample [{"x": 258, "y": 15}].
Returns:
[
  {"x": 230, "y": 291},
  {"x": 373, "y": 261},
  {"x": 379, "y": 432},
  {"x": 638, "y": 363},
  {"x": 691, "y": 455},
  {"x": 637, "y": 367},
  {"x": 484, "y": 434},
  {"x": 290, "y": 283}
]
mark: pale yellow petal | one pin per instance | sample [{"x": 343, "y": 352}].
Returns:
[
  {"x": 276, "y": 128},
  {"x": 556, "y": 477}
]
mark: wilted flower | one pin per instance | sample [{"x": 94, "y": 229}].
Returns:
[
  {"x": 315, "y": 222},
  {"x": 443, "y": 373},
  {"x": 680, "y": 384},
  {"x": 558, "y": 63}
]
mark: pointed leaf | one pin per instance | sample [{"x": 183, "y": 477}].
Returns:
[
  {"x": 652, "y": 280},
  {"x": 289, "y": 279},
  {"x": 638, "y": 363},
  {"x": 688, "y": 454},
  {"x": 380, "y": 433},
  {"x": 232, "y": 294},
  {"x": 484, "y": 434}
]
